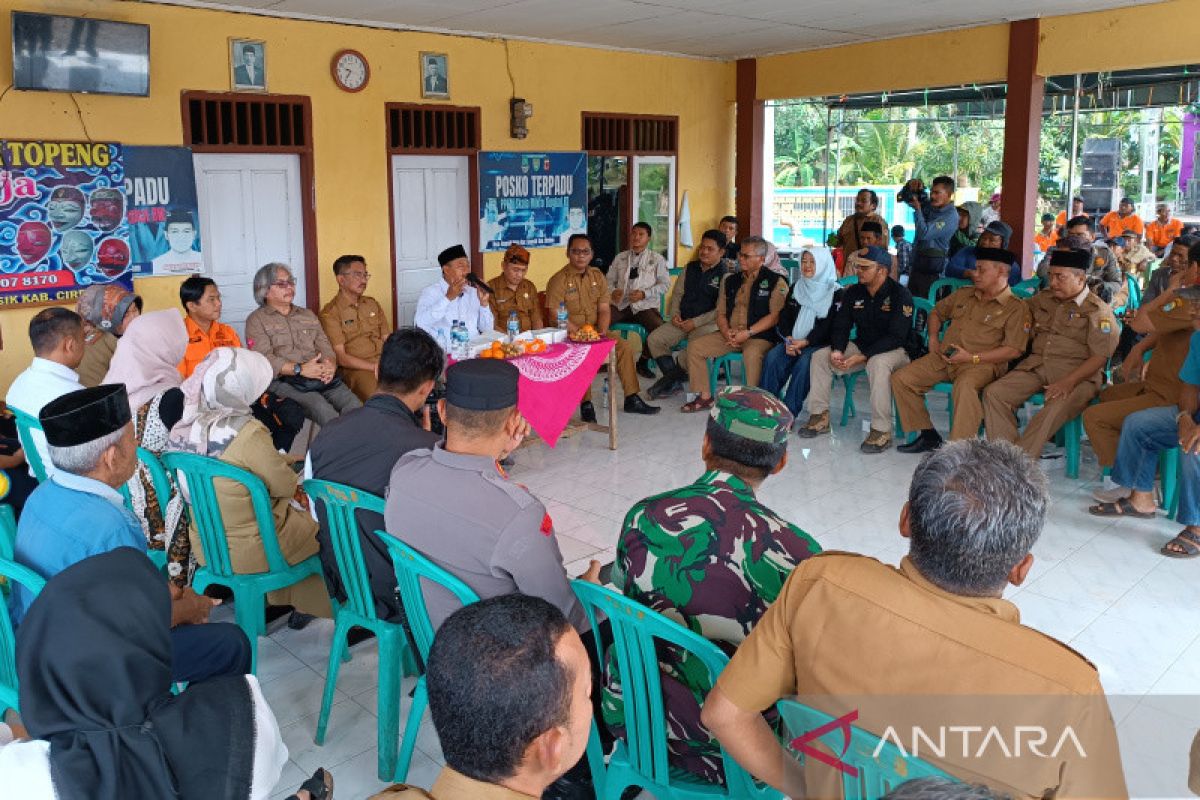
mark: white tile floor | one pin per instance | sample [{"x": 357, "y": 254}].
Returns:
[{"x": 1100, "y": 586}]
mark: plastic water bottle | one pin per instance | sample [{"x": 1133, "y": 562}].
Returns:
[
  {"x": 460, "y": 341},
  {"x": 562, "y": 316},
  {"x": 514, "y": 326}
]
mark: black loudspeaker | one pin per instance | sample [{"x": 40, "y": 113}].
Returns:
[{"x": 1099, "y": 201}]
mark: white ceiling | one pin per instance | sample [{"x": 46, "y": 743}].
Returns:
[{"x": 722, "y": 29}]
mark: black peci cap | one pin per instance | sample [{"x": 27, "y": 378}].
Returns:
[
  {"x": 482, "y": 384},
  {"x": 86, "y": 415}
]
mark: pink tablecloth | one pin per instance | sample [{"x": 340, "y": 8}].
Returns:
[{"x": 552, "y": 384}]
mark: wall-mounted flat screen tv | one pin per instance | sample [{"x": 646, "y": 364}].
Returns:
[{"x": 77, "y": 54}]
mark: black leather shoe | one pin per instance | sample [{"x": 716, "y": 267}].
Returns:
[
  {"x": 643, "y": 368},
  {"x": 926, "y": 441},
  {"x": 634, "y": 404},
  {"x": 298, "y": 620},
  {"x": 587, "y": 411},
  {"x": 664, "y": 387}
]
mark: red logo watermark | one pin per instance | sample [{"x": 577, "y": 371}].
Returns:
[{"x": 844, "y": 723}]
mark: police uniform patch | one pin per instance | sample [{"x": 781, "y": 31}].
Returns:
[
  {"x": 1167, "y": 308},
  {"x": 1105, "y": 326},
  {"x": 906, "y": 310},
  {"x": 887, "y": 305},
  {"x": 763, "y": 284}
]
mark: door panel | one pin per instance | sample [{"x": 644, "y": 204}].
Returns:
[
  {"x": 251, "y": 205},
  {"x": 432, "y": 212}
]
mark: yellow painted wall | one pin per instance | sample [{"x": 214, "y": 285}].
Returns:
[
  {"x": 190, "y": 51},
  {"x": 1137, "y": 37}
]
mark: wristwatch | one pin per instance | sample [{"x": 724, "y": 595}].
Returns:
[
  {"x": 296, "y": 369},
  {"x": 975, "y": 359}
]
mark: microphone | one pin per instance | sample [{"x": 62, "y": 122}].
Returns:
[{"x": 478, "y": 284}]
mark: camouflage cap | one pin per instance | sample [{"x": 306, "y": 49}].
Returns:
[{"x": 753, "y": 414}]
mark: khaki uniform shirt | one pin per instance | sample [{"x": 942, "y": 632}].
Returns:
[
  {"x": 1173, "y": 324},
  {"x": 581, "y": 293},
  {"x": 360, "y": 326},
  {"x": 451, "y": 785},
  {"x": 297, "y": 337},
  {"x": 738, "y": 321},
  {"x": 848, "y": 234},
  {"x": 97, "y": 355},
  {"x": 1067, "y": 333},
  {"x": 848, "y": 632},
  {"x": 978, "y": 325},
  {"x": 523, "y": 300}
]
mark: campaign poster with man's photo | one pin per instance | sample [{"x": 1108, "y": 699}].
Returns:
[
  {"x": 164, "y": 223},
  {"x": 62, "y": 220},
  {"x": 531, "y": 199}
]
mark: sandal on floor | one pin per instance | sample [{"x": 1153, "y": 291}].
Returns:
[
  {"x": 319, "y": 786},
  {"x": 1185, "y": 539},
  {"x": 1120, "y": 508},
  {"x": 699, "y": 404}
]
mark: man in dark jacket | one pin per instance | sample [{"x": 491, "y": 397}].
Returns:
[
  {"x": 360, "y": 448},
  {"x": 880, "y": 312}
]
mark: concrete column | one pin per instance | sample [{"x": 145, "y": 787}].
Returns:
[
  {"x": 1022, "y": 135},
  {"x": 749, "y": 160}
]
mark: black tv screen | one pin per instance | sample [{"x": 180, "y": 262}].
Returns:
[{"x": 77, "y": 54}]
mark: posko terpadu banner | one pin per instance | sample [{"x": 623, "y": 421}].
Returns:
[{"x": 531, "y": 199}]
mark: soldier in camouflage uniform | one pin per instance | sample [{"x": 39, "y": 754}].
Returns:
[{"x": 712, "y": 557}]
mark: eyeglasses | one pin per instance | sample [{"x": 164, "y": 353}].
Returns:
[
  {"x": 749, "y": 255},
  {"x": 577, "y": 252},
  {"x": 362, "y": 275},
  {"x": 287, "y": 284}
]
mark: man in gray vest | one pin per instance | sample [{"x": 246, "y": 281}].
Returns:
[{"x": 360, "y": 448}]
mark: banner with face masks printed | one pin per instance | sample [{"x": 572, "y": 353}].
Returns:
[
  {"x": 62, "y": 220},
  {"x": 164, "y": 219}
]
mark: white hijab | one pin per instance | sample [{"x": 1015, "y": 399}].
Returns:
[
  {"x": 217, "y": 399},
  {"x": 815, "y": 294}
]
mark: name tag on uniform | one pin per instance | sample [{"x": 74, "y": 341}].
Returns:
[
  {"x": 572, "y": 290},
  {"x": 858, "y": 305},
  {"x": 764, "y": 293},
  {"x": 887, "y": 305}
]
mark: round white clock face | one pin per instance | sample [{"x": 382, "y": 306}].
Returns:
[{"x": 351, "y": 71}]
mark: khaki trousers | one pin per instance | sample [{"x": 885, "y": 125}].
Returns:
[
  {"x": 879, "y": 375},
  {"x": 1004, "y": 396},
  {"x": 626, "y": 367},
  {"x": 1103, "y": 420},
  {"x": 666, "y": 336},
  {"x": 361, "y": 381},
  {"x": 910, "y": 384},
  {"x": 713, "y": 345}
]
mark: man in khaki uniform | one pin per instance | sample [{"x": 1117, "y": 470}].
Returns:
[
  {"x": 584, "y": 290},
  {"x": 930, "y": 647},
  {"x": 1074, "y": 334},
  {"x": 989, "y": 326},
  {"x": 488, "y": 659},
  {"x": 511, "y": 292},
  {"x": 748, "y": 307},
  {"x": 1167, "y": 322},
  {"x": 849, "y": 234},
  {"x": 355, "y": 325}
]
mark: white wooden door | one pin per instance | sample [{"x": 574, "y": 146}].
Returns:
[
  {"x": 250, "y": 215},
  {"x": 432, "y": 211}
]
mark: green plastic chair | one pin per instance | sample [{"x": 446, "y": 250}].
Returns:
[
  {"x": 411, "y": 568},
  {"x": 848, "y": 280},
  {"x": 728, "y": 361},
  {"x": 11, "y": 572},
  {"x": 162, "y": 489},
  {"x": 1168, "y": 470},
  {"x": 792, "y": 266},
  {"x": 623, "y": 329},
  {"x": 249, "y": 588},
  {"x": 876, "y": 775},
  {"x": 25, "y": 424},
  {"x": 395, "y": 655},
  {"x": 954, "y": 284},
  {"x": 1028, "y": 287},
  {"x": 1072, "y": 437},
  {"x": 641, "y": 758}
]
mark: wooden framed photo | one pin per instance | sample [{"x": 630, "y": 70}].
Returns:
[
  {"x": 435, "y": 77},
  {"x": 248, "y": 65}
]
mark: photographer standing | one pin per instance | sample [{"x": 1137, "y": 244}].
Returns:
[{"x": 935, "y": 220}]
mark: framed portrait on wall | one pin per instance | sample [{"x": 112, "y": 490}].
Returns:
[
  {"x": 248, "y": 65},
  {"x": 435, "y": 79}
]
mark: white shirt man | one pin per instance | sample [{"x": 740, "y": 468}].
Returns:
[
  {"x": 639, "y": 269},
  {"x": 57, "y": 334},
  {"x": 451, "y": 298}
]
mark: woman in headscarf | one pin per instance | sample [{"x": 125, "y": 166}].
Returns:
[
  {"x": 217, "y": 422},
  {"x": 107, "y": 310},
  {"x": 146, "y": 361},
  {"x": 969, "y": 215},
  {"x": 805, "y": 324},
  {"x": 94, "y": 660}
]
